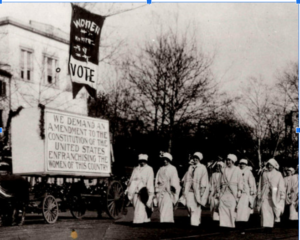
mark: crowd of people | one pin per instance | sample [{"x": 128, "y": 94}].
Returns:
[{"x": 231, "y": 192}]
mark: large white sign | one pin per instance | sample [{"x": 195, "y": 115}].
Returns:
[{"x": 76, "y": 144}]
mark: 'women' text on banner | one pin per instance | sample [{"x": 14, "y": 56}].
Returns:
[{"x": 84, "y": 50}]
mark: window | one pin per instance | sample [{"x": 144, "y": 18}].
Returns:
[
  {"x": 26, "y": 64},
  {"x": 2, "y": 89},
  {"x": 50, "y": 65}
]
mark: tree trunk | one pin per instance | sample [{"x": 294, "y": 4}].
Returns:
[
  {"x": 171, "y": 133},
  {"x": 259, "y": 152},
  {"x": 155, "y": 120}
]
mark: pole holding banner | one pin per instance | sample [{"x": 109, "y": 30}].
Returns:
[{"x": 84, "y": 50}]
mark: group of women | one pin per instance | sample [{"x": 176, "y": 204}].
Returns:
[{"x": 231, "y": 192}]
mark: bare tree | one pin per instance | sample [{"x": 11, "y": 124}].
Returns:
[
  {"x": 257, "y": 106},
  {"x": 171, "y": 81},
  {"x": 287, "y": 84}
]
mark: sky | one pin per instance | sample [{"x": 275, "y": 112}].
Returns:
[{"x": 247, "y": 39}]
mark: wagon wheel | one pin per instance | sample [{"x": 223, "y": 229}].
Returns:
[
  {"x": 115, "y": 200},
  {"x": 77, "y": 207},
  {"x": 50, "y": 209}
]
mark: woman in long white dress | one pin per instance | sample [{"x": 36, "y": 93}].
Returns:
[
  {"x": 231, "y": 183},
  {"x": 246, "y": 201},
  {"x": 271, "y": 195},
  {"x": 167, "y": 188},
  {"x": 287, "y": 183},
  {"x": 292, "y": 197},
  {"x": 142, "y": 177},
  {"x": 196, "y": 191},
  {"x": 214, "y": 194}
]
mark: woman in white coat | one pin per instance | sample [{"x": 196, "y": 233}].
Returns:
[
  {"x": 292, "y": 197},
  {"x": 246, "y": 201},
  {"x": 214, "y": 194},
  {"x": 287, "y": 183},
  {"x": 196, "y": 191},
  {"x": 271, "y": 195},
  {"x": 142, "y": 177},
  {"x": 167, "y": 188},
  {"x": 231, "y": 184}
]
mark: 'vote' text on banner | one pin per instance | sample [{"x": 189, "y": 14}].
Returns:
[{"x": 84, "y": 50}]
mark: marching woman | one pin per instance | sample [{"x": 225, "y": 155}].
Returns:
[
  {"x": 141, "y": 187},
  {"x": 231, "y": 184},
  {"x": 214, "y": 194},
  {"x": 167, "y": 188},
  {"x": 185, "y": 181},
  {"x": 196, "y": 191},
  {"x": 271, "y": 195},
  {"x": 247, "y": 198},
  {"x": 287, "y": 183},
  {"x": 292, "y": 197}
]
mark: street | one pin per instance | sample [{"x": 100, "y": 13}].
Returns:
[{"x": 123, "y": 229}]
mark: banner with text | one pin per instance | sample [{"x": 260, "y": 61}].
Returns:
[
  {"x": 76, "y": 144},
  {"x": 84, "y": 50}
]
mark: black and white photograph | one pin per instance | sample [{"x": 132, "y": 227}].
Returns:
[{"x": 161, "y": 121}]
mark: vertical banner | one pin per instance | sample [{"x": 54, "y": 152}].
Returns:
[{"x": 84, "y": 50}]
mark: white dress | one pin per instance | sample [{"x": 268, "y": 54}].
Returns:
[
  {"x": 141, "y": 177},
  {"x": 243, "y": 208},
  {"x": 213, "y": 199},
  {"x": 271, "y": 192},
  {"x": 196, "y": 192},
  {"x": 292, "y": 196},
  {"x": 166, "y": 177},
  {"x": 231, "y": 182}
]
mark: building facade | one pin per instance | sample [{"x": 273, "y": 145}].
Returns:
[{"x": 36, "y": 55}]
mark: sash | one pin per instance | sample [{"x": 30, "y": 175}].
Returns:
[
  {"x": 227, "y": 185},
  {"x": 278, "y": 207}
]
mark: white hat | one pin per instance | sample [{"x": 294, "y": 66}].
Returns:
[
  {"x": 244, "y": 161},
  {"x": 274, "y": 163},
  {"x": 198, "y": 155},
  {"x": 232, "y": 157},
  {"x": 291, "y": 169},
  {"x": 143, "y": 157},
  {"x": 166, "y": 155},
  {"x": 220, "y": 163}
]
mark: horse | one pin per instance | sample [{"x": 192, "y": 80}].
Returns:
[{"x": 14, "y": 197}]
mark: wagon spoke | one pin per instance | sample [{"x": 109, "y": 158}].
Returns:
[
  {"x": 110, "y": 203},
  {"x": 53, "y": 215},
  {"x": 112, "y": 206},
  {"x": 50, "y": 217}
]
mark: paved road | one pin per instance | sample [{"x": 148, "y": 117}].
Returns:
[{"x": 123, "y": 229}]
